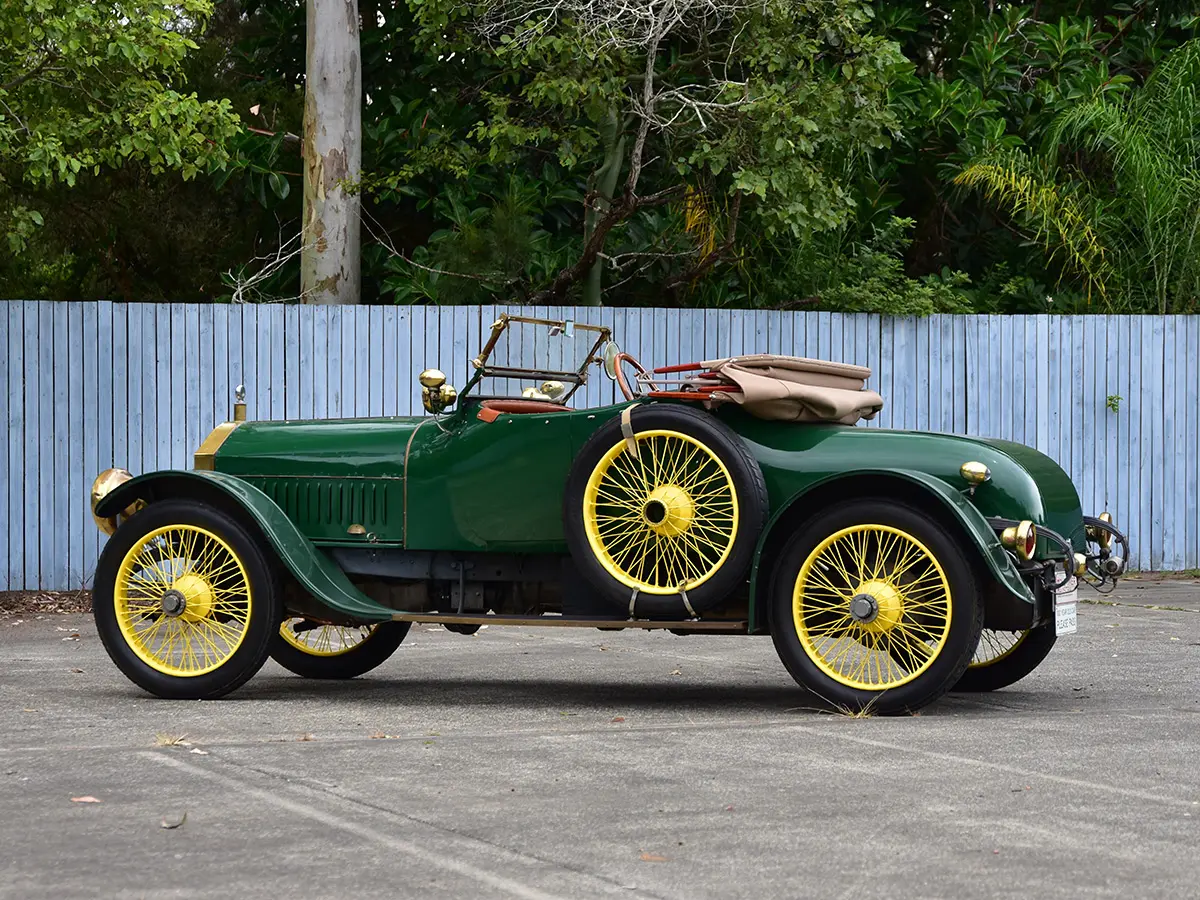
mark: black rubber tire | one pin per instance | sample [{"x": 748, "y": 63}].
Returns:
[
  {"x": 1011, "y": 668},
  {"x": 752, "y": 509},
  {"x": 372, "y": 652},
  {"x": 265, "y": 611},
  {"x": 966, "y": 619}
]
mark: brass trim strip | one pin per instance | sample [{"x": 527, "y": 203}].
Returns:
[
  {"x": 206, "y": 452},
  {"x": 731, "y": 627}
]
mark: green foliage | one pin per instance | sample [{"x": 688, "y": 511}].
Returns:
[
  {"x": 988, "y": 93},
  {"x": 754, "y": 103},
  {"x": 87, "y": 86},
  {"x": 1116, "y": 187},
  {"x": 896, "y": 156}
]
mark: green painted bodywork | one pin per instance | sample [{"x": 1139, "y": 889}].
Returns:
[{"x": 463, "y": 484}]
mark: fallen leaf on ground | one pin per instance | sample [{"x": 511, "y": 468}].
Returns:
[
  {"x": 163, "y": 739},
  {"x": 88, "y": 799},
  {"x": 652, "y": 857},
  {"x": 171, "y": 825},
  {"x": 618, "y": 718},
  {"x": 380, "y": 736},
  {"x": 77, "y": 671}
]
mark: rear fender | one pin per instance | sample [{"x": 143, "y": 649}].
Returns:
[
  {"x": 315, "y": 572},
  {"x": 924, "y": 490}
]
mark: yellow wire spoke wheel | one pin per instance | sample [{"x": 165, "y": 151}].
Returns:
[
  {"x": 324, "y": 640},
  {"x": 996, "y": 646},
  {"x": 872, "y": 607},
  {"x": 182, "y": 600},
  {"x": 663, "y": 519}
]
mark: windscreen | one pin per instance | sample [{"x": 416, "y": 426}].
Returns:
[{"x": 526, "y": 354}]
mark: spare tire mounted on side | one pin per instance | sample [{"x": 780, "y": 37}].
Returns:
[{"x": 662, "y": 511}]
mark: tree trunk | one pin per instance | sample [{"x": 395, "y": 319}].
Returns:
[
  {"x": 604, "y": 184},
  {"x": 330, "y": 263}
]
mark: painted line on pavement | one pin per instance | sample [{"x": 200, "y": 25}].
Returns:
[
  {"x": 1002, "y": 767},
  {"x": 449, "y": 863}
]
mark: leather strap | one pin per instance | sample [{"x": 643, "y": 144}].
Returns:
[{"x": 627, "y": 430}]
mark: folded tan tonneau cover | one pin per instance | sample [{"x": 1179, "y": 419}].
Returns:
[{"x": 794, "y": 389}]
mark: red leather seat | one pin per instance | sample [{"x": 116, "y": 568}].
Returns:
[{"x": 491, "y": 410}]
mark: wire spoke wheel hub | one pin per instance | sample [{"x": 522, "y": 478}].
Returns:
[
  {"x": 663, "y": 518},
  {"x": 182, "y": 600},
  {"x": 871, "y": 607}
]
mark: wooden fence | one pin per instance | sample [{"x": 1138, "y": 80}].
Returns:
[{"x": 1114, "y": 399}]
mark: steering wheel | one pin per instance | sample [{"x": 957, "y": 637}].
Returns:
[{"x": 623, "y": 382}]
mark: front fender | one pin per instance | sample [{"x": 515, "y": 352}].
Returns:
[
  {"x": 974, "y": 524},
  {"x": 315, "y": 572}
]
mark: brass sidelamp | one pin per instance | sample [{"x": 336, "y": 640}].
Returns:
[{"x": 436, "y": 395}]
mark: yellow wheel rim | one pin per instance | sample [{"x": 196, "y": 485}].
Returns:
[
  {"x": 995, "y": 646},
  {"x": 182, "y": 600},
  {"x": 871, "y": 607},
  {"x": 664, "y": 519},
  {"x": 324, "y": 640}
]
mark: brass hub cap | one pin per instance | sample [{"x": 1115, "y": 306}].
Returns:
[
  {"x": 876, "y": 606},
  {"x": 669, "y": 510},
  {"x": 196, "y": 594}
]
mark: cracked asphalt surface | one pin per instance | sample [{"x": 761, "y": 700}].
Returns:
[{"x": 538, "y": 763}]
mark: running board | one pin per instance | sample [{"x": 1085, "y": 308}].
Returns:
[{"x": 698, "y": 625}]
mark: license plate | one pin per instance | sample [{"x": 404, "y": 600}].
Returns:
[{"x": 1066, "y": 598}]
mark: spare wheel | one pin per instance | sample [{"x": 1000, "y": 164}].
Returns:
[{"x": 662, "y": 511}]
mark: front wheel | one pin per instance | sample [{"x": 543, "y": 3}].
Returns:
[
  {"x": 185, "y": 601},
  {"x": 1005, "y": 657},
  {"x": 875, "y": 608},
  {"x": 313, "y": 649}
]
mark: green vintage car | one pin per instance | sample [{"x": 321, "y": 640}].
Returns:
[{"x": 733, "y": 496}]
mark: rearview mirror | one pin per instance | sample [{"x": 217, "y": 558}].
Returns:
[{"x": 609, "y": 357}]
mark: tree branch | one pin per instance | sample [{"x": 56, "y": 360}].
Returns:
[{"x": 50, "y": 57}]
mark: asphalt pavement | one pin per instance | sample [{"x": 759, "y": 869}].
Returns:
[{"x": 539, "y": 763}]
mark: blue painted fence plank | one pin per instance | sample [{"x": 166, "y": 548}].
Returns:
[
  {"x": 13, "y": 388},
  {"x": 55, "y": 438}
]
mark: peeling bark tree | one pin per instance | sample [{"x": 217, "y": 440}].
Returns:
[{"x": 330, "y": 263}]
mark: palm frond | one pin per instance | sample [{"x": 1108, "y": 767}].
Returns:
[{"x": 1063, "y": 225}]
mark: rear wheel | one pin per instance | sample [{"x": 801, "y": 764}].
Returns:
[
  {"x": 875, "y": 608},
  {"x": 1005, "y": 657},
  {"x": 184, "y": 601},
  {"x": 313, "y": 649}
]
